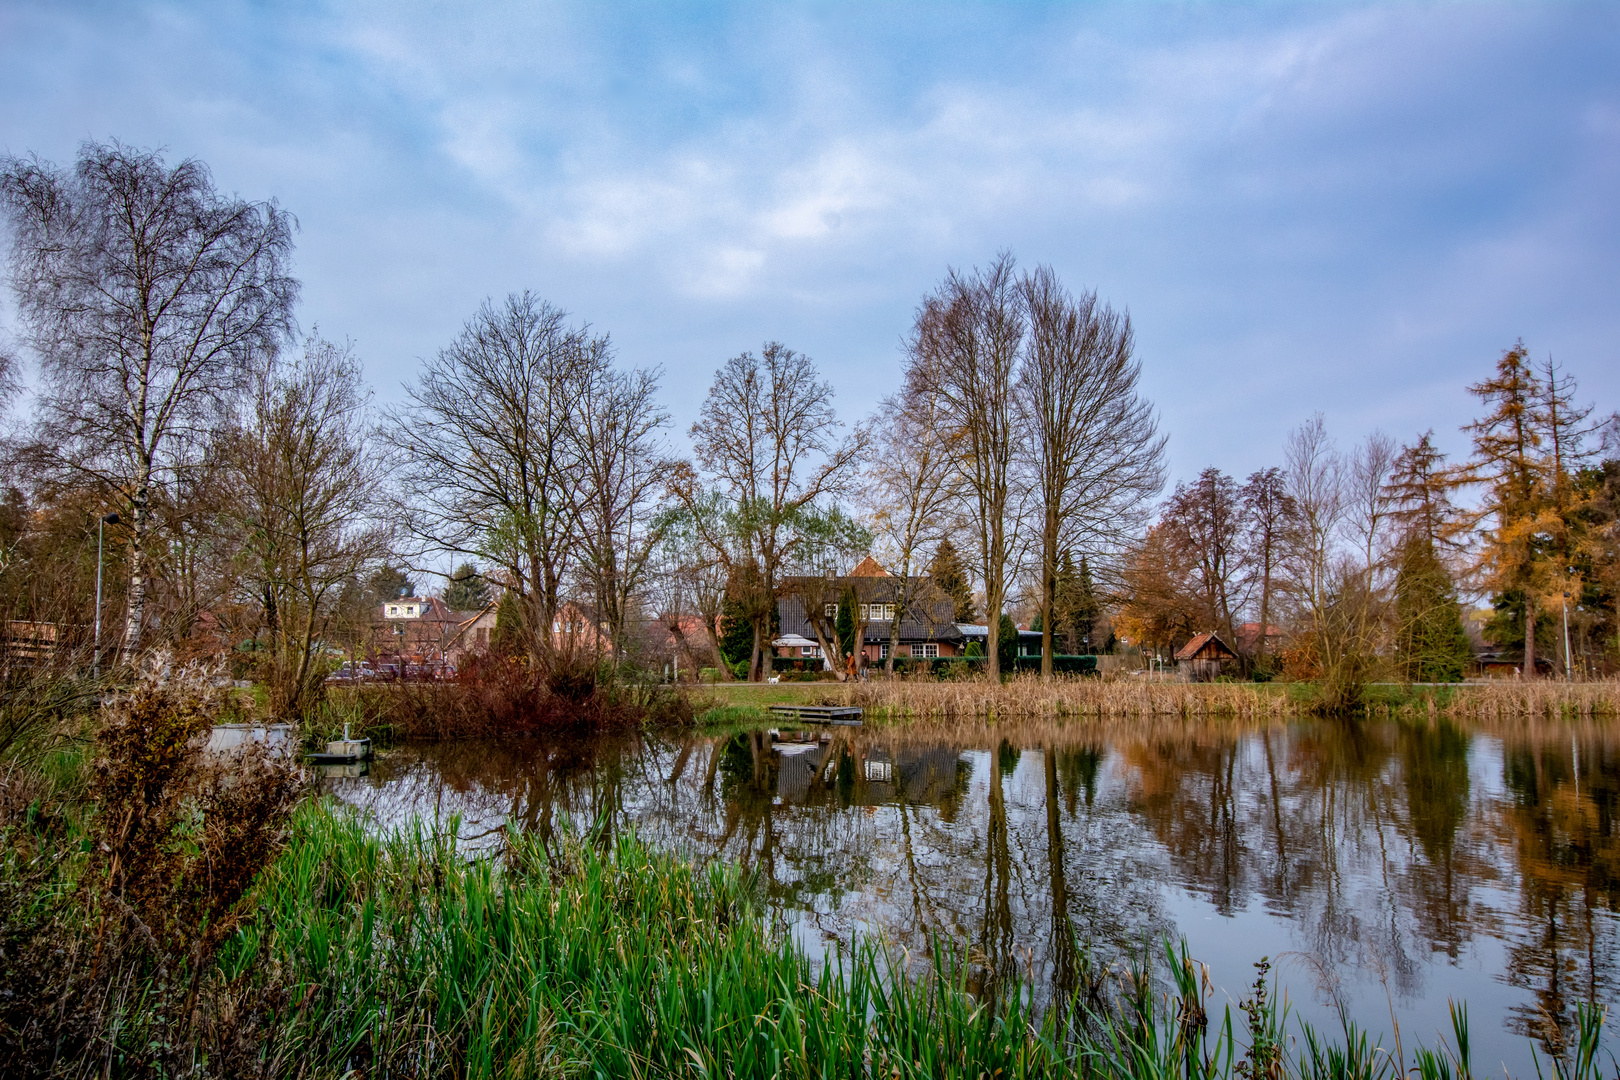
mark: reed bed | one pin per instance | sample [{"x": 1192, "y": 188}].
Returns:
[
  {"x": 1026, "y": 698},
  {"x": 405, "y": 957}
]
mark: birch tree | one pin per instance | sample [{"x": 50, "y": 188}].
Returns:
[{"x": 146, "y": 296}]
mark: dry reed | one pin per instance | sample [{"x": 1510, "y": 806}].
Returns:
[{"x": 1084, "y": 699}]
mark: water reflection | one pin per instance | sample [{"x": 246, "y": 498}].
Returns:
[{"x": 1396, "y": 865}]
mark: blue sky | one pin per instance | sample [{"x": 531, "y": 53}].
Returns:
[{"x": 1350, "y": 209}]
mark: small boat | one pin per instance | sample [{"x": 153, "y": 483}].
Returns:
[{"x": 344, "y": 751}]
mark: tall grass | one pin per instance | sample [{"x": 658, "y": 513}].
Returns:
[
  {"x": 402, "y": 956},
  {"x": 1026, "y": 697}
]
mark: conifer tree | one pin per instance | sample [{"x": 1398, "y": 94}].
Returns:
[
  {"x": 1430, "y": 642},
  {"x": 468, "y": 590},
  {"x": 949, "y": 572},
  {"x": 1508, "y": 461}
]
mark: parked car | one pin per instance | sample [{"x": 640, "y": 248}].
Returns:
[{"x": 352, "y": 671}]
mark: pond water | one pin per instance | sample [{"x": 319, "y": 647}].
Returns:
[{"x": 1384, "y": 867}]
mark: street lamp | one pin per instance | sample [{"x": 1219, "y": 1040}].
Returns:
[
  {"x": 1569, "y": 672},
  {"x": 95, "y": 657}
]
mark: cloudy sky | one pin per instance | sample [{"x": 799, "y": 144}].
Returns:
[{"x": 1304, "y": 207}]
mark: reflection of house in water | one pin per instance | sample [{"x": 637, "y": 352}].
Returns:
[{"x": 821, "y": 773}]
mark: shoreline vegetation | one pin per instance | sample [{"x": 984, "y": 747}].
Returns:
[
  {"x": 407, "y": 955},
  {"x": 167, "y": 912},
  {"x": 924, "y": 703}
]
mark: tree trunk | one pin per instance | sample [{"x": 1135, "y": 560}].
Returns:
[
  {"x": 1529, "y": 636},
  {"x": 140, "y": 524}
]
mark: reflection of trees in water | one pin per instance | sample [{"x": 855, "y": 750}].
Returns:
[
  {"x": 1358, "y": 833},
  {"x": 1370, "y": 839},
  {"x": 1561, "y": 824}
]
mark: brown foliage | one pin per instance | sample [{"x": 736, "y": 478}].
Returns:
[
  {"x": 498, "y": 693},
  {"x": 107, "y": 977}
]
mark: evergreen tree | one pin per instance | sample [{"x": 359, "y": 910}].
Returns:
[
  {"x": 389, "y": 583},
  {"x": 1007, "y": 645},
  {"x": 949, "y": 572},
  {"x": 1419, "y": 493},
  {"x": 736, "y": 633},
  {"x": 508, "y": 635},
  {"x": 1076, "y": 610},
  {"x": 1431, "y": 644},
  {"x": 845, "y": 625},
  {"x": 467, "y": 591}
]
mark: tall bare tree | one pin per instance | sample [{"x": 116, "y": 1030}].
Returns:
[
  {"x": 768, "y": 435},
  {"x": 146, "y": 295},
  {"x": 964, "y": 351},
  {"x": 1315, "y": 474},
  {"x": 1093, "y": 450},
  {"x": 911, "y": 491},
  {"x": 308, "y": 507},
  {"x": 1272, "y": 518},
  {"x": 1368, "y": 506},
  {"x": 622, "y": 473},
  {"x": 490, "y": 464}
]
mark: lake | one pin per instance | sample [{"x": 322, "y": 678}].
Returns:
[{"x": 1384, "y": 867}]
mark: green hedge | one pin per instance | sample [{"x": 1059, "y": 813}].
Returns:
[{"x": 1061, "y": 665}]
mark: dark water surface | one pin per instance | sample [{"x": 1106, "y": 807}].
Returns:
[{"x": 1384, "y": 866}]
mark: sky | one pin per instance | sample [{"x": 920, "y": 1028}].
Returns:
[{"x": 1304, "y": 207}]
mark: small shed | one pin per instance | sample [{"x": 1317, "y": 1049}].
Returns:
[{"x": 1201, "y": 658}]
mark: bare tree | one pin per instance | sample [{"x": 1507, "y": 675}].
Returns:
[
  {"x": 1367, "y": 498},
  {"x": 768, "y": 435},
  {"x": 1314, "y": 471},
  {"x": 1272, "y": 519},
  {"x": 1204, "y": 521},
  {"x": 146, "y": 296},
  {"x": 622, "y": 473},
  {"x": 1095, "y": 456},
  {"x": 964, "y": 351},
  {"x": 307, "y": 507},
  {"x": 696, "y": 538},
  {"x": 830, "y": 542},
  {"x": 911, "y": 491},
  {"x": 490, "y": 462}
]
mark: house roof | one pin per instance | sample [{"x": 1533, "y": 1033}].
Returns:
[
  {"x": 869, "y": 568},
  {"x": 1205, "y": 646}
]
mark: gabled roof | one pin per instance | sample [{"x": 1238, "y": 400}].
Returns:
[
  {"x": 1205, "y": 647},
  {"x": 869, "y": 568}
]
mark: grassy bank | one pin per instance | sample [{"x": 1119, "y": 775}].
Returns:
[{"x": 403, "y": 956}]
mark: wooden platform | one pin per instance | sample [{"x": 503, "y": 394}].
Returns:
[{"x": 844, "y": 715}]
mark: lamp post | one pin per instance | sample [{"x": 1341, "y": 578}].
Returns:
[
  {"x": 95, "y": 656},
  {"x": 1569, "y": 672}
]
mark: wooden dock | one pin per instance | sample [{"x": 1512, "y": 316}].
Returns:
[{"x": 842, "y": 715}]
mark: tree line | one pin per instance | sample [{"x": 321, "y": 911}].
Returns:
[
  {"x": 1363, "y": 557},
  {"x": 255, "y": 502}
]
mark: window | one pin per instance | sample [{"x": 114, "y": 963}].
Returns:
[
  {"x": 888, "y": 612},
  {"x": 929, "y": 650},
  {"x": 866, "y": 615},
  {"x": 831, "y": 611},
  {"x": 810, "y": 650},
  {"x": 883, "y": 652},
  {"x": 393, "y": 609}
]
